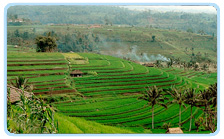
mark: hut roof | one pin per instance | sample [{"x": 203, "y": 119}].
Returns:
[
  {"x": 15, "y": 93},
  {"x": 176, "y": 130},
  {"x": 95, "y": 26},
  {"x": 149, "y": 64},
  {"x": 76, "y": 72}
]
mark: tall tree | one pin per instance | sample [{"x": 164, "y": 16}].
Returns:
[
  {"x": 153, "y": 96},
  {"x": 178, "y": 97},
  {"x": 16, "y": 33},
  {"x": 192, "y": 99},
  {"x": 212, "y": 113},
  {"x": 204, "y": 100},
  {"x": 153, "y": 38},
  {"x": 46, "y": 43}
]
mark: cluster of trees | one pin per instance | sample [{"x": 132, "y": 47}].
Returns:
[
  {"x": 52, "y": 41},
  {"x": 206, "y": 99},
  {"x": 110, "y": 15},
  {"x": 192, "y": 64},
  {"x": 78, "y": 42},
  {"x": 46, "y": 43},
  {"x": 17, "y": 37}
]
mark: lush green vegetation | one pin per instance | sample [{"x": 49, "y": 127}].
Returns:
[
  {"x": 33, "y": 115},
  {"x": 110, "y": 96},
  {"x": 109, "y": 90},
  {"x": 109, "y": 69},
  {"x": 113, "y": 91}
]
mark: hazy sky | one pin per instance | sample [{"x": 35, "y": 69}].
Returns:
[{"x": 192, "y": 9}]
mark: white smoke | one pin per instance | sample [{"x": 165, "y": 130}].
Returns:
[
  {"x": 132, "y": 54},
  {"x": 129, "y": 52}
]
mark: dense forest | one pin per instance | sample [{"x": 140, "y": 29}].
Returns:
[{"x": 201, "y": 23}]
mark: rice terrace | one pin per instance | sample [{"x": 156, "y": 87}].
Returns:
[{"x": 111, "y": 69}]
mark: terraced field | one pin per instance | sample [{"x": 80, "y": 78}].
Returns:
[
  {"x": 46, "y": 72},
  {"x": 110, "y": 96}
]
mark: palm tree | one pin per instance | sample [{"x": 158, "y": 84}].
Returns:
[
  {"x": 191, "y": 98},
  {"x": 178, "y": 98},
  {"x": 204, "y": 99},
  {"x": 208, "y": 98},
  {"x": 22, "y": 83},
  {"x": 153, "y": 96},
  {"x": 212, "y": 114}
]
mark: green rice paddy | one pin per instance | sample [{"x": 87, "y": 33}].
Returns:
[{"x": 111, "y": 96}]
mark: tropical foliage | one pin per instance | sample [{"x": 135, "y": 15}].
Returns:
[
  {"x": 153, "y": 96},
  {"x": 30, "y": 115},
  {"x": 177, "y": 97},
  {"x": 46, "y": 43},
  {"x": 22, "y": 83}
]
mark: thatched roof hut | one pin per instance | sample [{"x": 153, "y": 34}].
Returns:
[
  {"x": 76, "y": 73},
  {"x": 15, "y": 93},
  {"x": 176, "y": 130},
  {"x": 95, "y": 26},
  {"x": 149, "y": 64}
]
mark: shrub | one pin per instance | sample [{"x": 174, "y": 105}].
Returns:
[{"x": 94, "y": 73}]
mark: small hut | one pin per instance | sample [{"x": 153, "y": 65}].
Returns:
[
  {"x": 76, "y": 73},
  {"x": 95, "y": 26},
  {"x": 15, "y": 94},
  {"x": 149, "y": 64},
  {"x": 176, "y": 130}
]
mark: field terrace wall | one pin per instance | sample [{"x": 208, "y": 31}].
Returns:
[
  {"x": 121, "y": 77},
  {"x": 46, "y": 72}
]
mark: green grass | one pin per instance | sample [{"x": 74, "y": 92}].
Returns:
[{"x": 76, "y": 125}]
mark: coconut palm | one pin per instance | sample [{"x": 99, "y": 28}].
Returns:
[
  {"x": 153, "y": 96},
  {"x": 204, "y": 97},
  {"x": 192, "y": 99},
  {"x": 208, "y": 98},
  {"x": 22, "y": 82},
  {"x": 212, "y": 113},
  {"x": 178, "y": 98}
]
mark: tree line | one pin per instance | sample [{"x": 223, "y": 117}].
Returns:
[{"x": 202, "y": 22}]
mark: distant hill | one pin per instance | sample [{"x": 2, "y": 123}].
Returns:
[
  {"x": 131, "y": 42},
  {"x": 117, "y": 15}
]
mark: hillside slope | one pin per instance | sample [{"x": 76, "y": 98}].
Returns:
[
  {"x": 132, "y": 42},
  {"x": 74, "y": 125}
]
